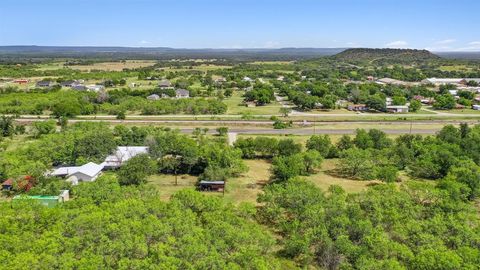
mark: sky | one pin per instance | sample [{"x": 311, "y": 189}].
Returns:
[{"x": 437, "y": 25}]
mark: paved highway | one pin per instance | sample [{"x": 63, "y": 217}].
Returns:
[{"x": 263, "y": 130}]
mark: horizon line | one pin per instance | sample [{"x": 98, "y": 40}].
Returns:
[{"x": 232, "y": 48}]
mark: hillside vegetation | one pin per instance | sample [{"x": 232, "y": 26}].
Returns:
[{"x": 382, "y": 55}]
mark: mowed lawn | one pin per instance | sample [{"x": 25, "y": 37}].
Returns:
[
  {"x": 235, "y": 106},
  {"x": 244, "y": 188}
]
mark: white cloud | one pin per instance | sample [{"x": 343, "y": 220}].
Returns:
[
  {"x": 397, "y": 44},
  {"x": 352, "y": 44},
  {"x": 446, "y": 41},
  {"x": 271, "y": 44},
  {"x": 144, "y": 42},
  {"x": 471, "y": 46}
]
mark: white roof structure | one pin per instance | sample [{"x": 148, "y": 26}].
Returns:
[
  {"x": 390, "y": 81},
  {"x": 153, "y": 97},
  {"x": 90, "y": 169},
  {"x": 122, "y": 154},
  {"x": 443, "y": 80},
  {"x": 247, "y": 79}
]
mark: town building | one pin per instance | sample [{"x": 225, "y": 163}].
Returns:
[
  {"x": 397, "y": 108},
  {"x": 357, "y": 107}
]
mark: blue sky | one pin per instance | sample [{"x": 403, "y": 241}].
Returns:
[{"x": 436, "y": 25}]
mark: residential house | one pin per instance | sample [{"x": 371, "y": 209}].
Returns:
[
  {"x": 95, "y": 87},
  {"x": 247, "y": 79},
  {"x": 182, "y": 93},
  {"x": 165, "y": 84},
  {"x": 476, "y": 107},
  {"x": 69, "y": 83},
  {"x": 86, "y": 173},
  {"x": 397, "y": 108},
  {"x": 280, "y": 78},
  {"x": 122, "y": 154},
  {"x": 44, "y": 84},
  {"x": 357, "y": 107},
  {"x": 153, "y": 97}
]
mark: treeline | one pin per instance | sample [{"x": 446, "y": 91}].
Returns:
[{"x": 72, "y": 103}]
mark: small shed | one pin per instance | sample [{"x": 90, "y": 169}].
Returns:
[
  {"x": 45, "y": 200},
  {"x": 397, "y": 109},
  {"x": 211, "y": 185},
  {"x": 7, "y": 184}
]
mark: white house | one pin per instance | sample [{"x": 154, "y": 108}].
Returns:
[
  {"x": 153, "y": 97},
  {"x": 95, "y": 87},
  {"x": 439, "y": 81},
  {"x": 476, "y": 107},
  {"x": 122, "y": 154},
  {"x": 453, "y": 92},
  {"x": 87, "y": 172},
  {"x": 397, "y": 108},
  {"x": 247, "y": 79}
]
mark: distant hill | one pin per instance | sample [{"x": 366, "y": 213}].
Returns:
[
  {"x": 460, "y": 55},
  {"x": 163, "y": 53},
  {"x": 385, "y": 55}
]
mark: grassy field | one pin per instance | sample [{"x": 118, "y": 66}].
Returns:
[
  {"x": 324, "y": 179},
  {"x": 203, "y": 68},
  {"x": 104, "y": 66},
  {"x": 244, "y": 188},
  {"x": 235, "y": 106}
]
